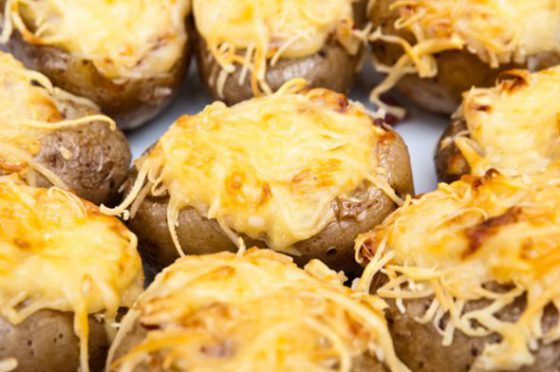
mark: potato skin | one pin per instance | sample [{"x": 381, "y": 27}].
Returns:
[
  {"x": 450, "y": 162},
  {"x": 334, "y": 245},
  {"x": 332, "y": 68},
  {"x": 45, "y": 342},
  {"x": 458, "y": 71},
  {"x": 98, "y": 165},
  {"x": 363, "y": 363},
  {"x": 131, "y": 104},
  {"x": 419, "y": 345}
]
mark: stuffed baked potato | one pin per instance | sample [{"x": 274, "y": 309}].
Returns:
[
  {"x": 247, "y": 48},
  {"x": 65, "y": 271},
  {"x": 129, "y": 56},
  {"x": 512, "y": 127},
  {"x": 471, "y": 274},
  {"x": 436, "y": 50},
  {"x": 224, "y": 312},
  {"x": 301, "y": 171},
  {"x": 49, "y": 136}
]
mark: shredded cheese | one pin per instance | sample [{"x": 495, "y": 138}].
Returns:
[
  {"x": 451, "y": 243},
  {"x": 254, "y": 34},
  {"x": 513, "y": 127},
  {"x": 45, "y": 262},
  {"x": 124, "y": 39},
  {"x": 255, "y": 312},
  {"x": 498, "y": 32},
  {"x": 270, "y": 168},
  {"x": 30, "y": 108}
]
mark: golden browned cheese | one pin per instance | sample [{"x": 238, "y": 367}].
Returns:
[
  {"x": 270, "y": 168},
  {"x": 498, "y": 32},
  {"x": 252, "y": 312},
  {"x": 513, "y": 127},
  {"x": 125, "y": 39},
  {"x": 450, "y": 244},
  {"x": 255, "y": 33},
  {"x": 58, "y": 252}
]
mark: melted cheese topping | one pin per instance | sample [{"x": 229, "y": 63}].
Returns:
[
  {"x": 240, "y": 313},
  {"x": 498, "y": 32},
  {"x": 124, "y": 39},
  {"x": 45, "y": 262},
  {"x": 267, "y": 30},
  {"x": 513, "y": 127},
  {"x": 452, "y": 243},
  {"x": 271, "y": 168},
  {"x": 30, "y": 108}
]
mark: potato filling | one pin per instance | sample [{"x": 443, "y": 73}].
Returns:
[
  {"x": 255, "y": 312},
  {"x": 60, "y": 253},
  {"x": 124, "y": 39},
  {"x": 270, "y": 168},
  {"x": 450, "y": 244}
]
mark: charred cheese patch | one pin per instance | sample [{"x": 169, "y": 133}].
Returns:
[
  {"x": 124, "y": 39},
  {"x": 255, "y": 312},
  {"x": 451, "y": 244},
  {"x": 271, "y": 168},
  {"x": 498, "y": 32},
  {"x": 60, "y": 253},
  {"x": 513, "y": 127},
  {"x": 254, "y": 33},
  {"x": 30, "y": 108}
]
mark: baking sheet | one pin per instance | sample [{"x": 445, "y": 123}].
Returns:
[{"x": 420, "y": 130}]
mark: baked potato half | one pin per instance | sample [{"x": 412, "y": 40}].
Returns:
[
  {"x": 470, "y": 272},
  {"x": 433, "y": 51},
  {"x": 248, "y": 48},
  {"x": 302, "y": 171},
  {"x": 49, "y": 136},
  {"x": 240, "y": 313},
  {"x": 65, "y": 271},
  {"x": 129, "y": 57},
  {"x": 508, "y": 127}
]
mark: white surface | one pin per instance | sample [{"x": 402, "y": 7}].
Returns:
[{"x": 420, "y": 130}]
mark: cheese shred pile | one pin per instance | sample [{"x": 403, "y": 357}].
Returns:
[
  {"x": 45, "y": 262},
  {"x": 31, "y": 108},
  {"x": 456, "y": 244},
  {"x": 124, "y": 39},
  {"x": 253, "y": 34},
  {"x": 512, "y": 127},
  {"x": 270, "y": 168},
  {"x": 255, "y": 312},
  {"x": 498, "y": 32}
]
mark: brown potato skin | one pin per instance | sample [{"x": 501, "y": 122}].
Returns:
[
  {"x": 458, "y": 71},
  {"x": 332, "y": 68},
  {"x": 419, "y": 345},
  {"x": 131, "y": 104},
  {"x": 45, "y": 342},
  {"x": 450, "y": 162},
  {"x": 334, "y": 245},
  {"x": 99, "y": 163},
  {"x": 363, "y": 363}
]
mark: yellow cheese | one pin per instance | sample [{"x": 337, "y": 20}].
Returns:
[
  {"x": 255, "y": 312},
  {"x": 58, "y": 252},
  {"x": 498, "y": 32},
  {"x": 30, "y": 108},
  {"x": 513, "y": 127},
  {"x": 451, "y": 243},
  {"x": 270, "y": 168},
  {"x": 267, "y": 30},
  {"x": 124, "y": 39}
]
